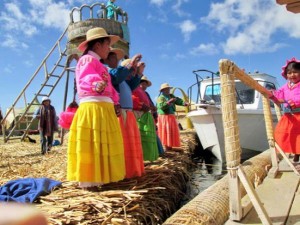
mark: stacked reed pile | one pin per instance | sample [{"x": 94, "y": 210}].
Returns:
[{"x": 150, "y": 199}]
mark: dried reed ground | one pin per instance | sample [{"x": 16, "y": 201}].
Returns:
[{"x": 150, "y": 199}]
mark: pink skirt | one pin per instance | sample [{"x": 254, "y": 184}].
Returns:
[
  {"x": 65, "y": 119},
  {"x": 168, "y": 130}
]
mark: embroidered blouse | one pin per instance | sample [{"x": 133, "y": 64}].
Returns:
[
  {"x": 89, "y": 70},
  {"x": 289, "y": 93},
  {"x": 163, "y": 108}
]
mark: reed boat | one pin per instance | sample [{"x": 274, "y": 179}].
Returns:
[{"x": 207, "y": 117}]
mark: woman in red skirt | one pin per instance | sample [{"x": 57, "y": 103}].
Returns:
[
  {"x": 168, "y": 130},
  {"x": 287, "y": 131}
]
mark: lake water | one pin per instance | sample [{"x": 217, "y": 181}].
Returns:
[{"x": 207, "y": 170}]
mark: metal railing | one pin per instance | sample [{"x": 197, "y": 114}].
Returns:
[{"x": 102, "y": 13}]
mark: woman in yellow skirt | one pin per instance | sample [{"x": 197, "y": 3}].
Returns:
[{"x": 95, "y": 148}]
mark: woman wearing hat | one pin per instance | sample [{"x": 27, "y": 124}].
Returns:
[
  {"x": 142, "y": 110},
  {"x": 47, "y": 124},
  {"x": 287, "y": 131},
  {"x": 141, "y": 96},
  {"x": 95, "y": 148},
  {"x": 125, "y": 79},
  {"x": 168, "y": 130}
]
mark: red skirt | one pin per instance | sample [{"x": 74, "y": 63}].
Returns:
[
  {"x": 134, "y": 161},
  {"x": 168, "y": 131},
  {"x": 287, "y": 133}
]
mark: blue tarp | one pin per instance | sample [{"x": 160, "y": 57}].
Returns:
[{"x": 27, "y": 189}]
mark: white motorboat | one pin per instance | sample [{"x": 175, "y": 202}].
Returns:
[{"x": 207, "y": 118}]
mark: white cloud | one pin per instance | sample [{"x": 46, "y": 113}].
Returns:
[
  {"x": 14, "y": 10},
  {"x": 13, "y": 19},
  {"x": 164, "y": 56},
  {"x": 177, "y": 8},
  {"x": 166, "y": 46},
  {"x": 158, "y": 2},
  {"x": 251, "y": 25},
  {"x": 23, "y": 22},
  {"x": 205, "y": 49},
  {"x": 56, "y": 15},
  {"x": 187, "y": 27},
  {"x": 50, "y": 14},
  {"x": 180, "y": 56},
  {"x": 12, "y": 42},
  {"x": 8, "y": 69}
]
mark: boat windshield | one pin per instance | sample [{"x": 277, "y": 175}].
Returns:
[{"x": 244, "y": 94}]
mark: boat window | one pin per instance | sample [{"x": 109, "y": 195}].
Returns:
[
  {"x": 270, "y": 86},
  {"x": 213, "y": 93},
  {"x": 245, "y": 95}
]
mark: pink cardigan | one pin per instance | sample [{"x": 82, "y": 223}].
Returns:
[
  {"x": 89, "y": 70},
  {"x": 139, "y": 97},
  {"x": 290, "y": 94}
]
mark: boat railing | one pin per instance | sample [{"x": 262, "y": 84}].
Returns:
[
  {"x": 197, "y": 85},
  {"x": 228, "y": 73}
]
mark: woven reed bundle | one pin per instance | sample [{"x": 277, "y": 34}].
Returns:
[
  {"x": 229, "y": 116},
  {"x": 228, "y": 66},
  {"x": 78, "y": 29},
  {"x": 278, "y": 111},
  {"x": 268, "y": 120},
  {"x": 211, "y": 207}
]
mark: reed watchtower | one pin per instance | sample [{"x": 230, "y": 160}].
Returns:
[{"x": 57, "y": 64}]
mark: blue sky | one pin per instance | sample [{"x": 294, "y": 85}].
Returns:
[{"x": 175, "y": 37}]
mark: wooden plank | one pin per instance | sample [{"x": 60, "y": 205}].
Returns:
[
  {"x": 277, "y": 198},
  {"x": 294, "y": 7},
  {"x": 294, "y": 217},
  {"x": 286, "y": 159},
  {"x": 282, "y": 2},
  {"x": 235, "y": 206},
  {"x": 259, "y": 208},
  {"x": 284, "y": 166}
]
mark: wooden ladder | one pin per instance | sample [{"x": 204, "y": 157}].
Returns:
[{"x": 50, "y": 76}]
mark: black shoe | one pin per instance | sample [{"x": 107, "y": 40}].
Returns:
[{"x": 296, "y": 158}]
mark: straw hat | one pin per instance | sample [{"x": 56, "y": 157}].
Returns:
[
  {"x": 164, "y": 86},
  {"x": 95, "y": 33},
  {"x": 125, "y": 62},
  {"x": 46, "y": 99},
  {"x": 119, "y": 52},
  {"x": 145, "y": 78}
]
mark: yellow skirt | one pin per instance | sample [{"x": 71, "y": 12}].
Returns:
[{"x": 95, "y": 146}]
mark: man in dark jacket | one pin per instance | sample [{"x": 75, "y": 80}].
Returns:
[{"x": 47, "y": 124}]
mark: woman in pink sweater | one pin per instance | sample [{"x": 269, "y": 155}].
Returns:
[
  {"x": 287, "y": 132},
  {"x": 95, "y": 149}
]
